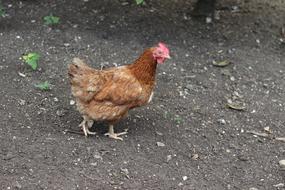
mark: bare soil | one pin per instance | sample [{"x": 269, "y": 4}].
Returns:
[{"x": 206, "y": 144}]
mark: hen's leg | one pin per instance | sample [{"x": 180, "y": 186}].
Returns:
[
  {"x": 113, "y": 135},
  {"x": 86, "y": 124}
]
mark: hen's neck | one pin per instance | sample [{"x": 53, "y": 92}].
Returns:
[{"x": 144, "y": 68}]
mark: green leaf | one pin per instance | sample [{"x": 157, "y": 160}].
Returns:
[
  {"x": 139, "y": 1},
  {"x": 32, "y": 60},
  {"x": 51, "y": 20},
  {"x": 44, "y": 86}
]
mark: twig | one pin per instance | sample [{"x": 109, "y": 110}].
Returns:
[
  {"x": 280, "y": 139},
  {"x": 74, "y": 132},
  {"x": 266, "y": 135},
  {"x": 259, "y": 134}
]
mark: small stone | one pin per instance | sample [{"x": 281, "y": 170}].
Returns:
[
  {"x": 160, "y": 144},
  {"x": 55, "y": 99},
  {"x": 282, "y": 163},
  {"x": 124, "y": 3},
  {"x": 267, "y": 129},
  {"x": 168, "y": 158},
  {"x": 243, "y": 158},
  {"x": 184, "y": 178},
  {"x": 72, "y": 102},
  {"x": 195, "y": 156},
  {"x": 180, "y": 184},
  {"x": 222, "y": 121},
  {"x": 208, "y": 20},
  {"x": 232, "y": 78},
  {"x": 158, "y": 133},
  {"x": 279, "y": 185},
  {"x": 60, "y": 113},
  {"x": 125, "y": 170},
  {"x": 253, "y": 188},
  {"x": 97, "y": 156},
  {"x": 21, "y": 74},
  {"x": 22, "y": 102},
  {"x": 66, "y": 44}
]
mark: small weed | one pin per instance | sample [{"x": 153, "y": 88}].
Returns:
[
  {"x": 32, "y": 60},
  {"x": 166, "y": 115},
  {"x": 178, "y": 119},
  {"x": 2, "y": 12},
  {"x": 139, "y": 1},
  {"x": 44, "y": 86},
  {"x": 51, "y": 20}
]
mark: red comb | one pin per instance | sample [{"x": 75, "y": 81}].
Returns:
[{"x": 164, "y": 47}]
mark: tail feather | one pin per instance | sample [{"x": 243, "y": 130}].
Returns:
[
  {"x": 76, "y": 67},
  {"x": 84, "y": 80}
]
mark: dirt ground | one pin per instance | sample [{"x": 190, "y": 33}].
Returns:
[{"x": 187, "y": 138}]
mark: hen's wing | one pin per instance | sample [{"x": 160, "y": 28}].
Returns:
[{"x": 121, "y": 88}]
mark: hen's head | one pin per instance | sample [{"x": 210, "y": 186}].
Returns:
[{"x": 160, "y": 53}]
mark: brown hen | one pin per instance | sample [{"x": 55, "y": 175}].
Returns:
[{"x": 107, "y": 95}]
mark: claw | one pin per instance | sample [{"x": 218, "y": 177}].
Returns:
[
  {"x": 113, "y": 135},
  {"x": 86, "y": 124}
]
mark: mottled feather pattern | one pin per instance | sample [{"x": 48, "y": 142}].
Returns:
[{"x": 106, "y": 95}]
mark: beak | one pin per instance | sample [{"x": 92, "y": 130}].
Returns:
[{"x": 167, "y": 57}]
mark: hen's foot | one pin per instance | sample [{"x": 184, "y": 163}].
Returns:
[
  {"x": 115, "y": 135},
  {"x": 86, "y": 124},
  {"x": 87, "y": 132}
]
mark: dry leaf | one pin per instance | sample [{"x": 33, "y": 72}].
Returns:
[{"x": 221, "y": 63}]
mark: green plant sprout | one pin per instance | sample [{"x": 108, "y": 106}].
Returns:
[
  {"x": 139, "y": 1},
  {"x": 2, "y": 12},
  {"x": 44, "y": 86},
  {"x": 51, "y": 20},
  {"x": 32, "y": 60}
]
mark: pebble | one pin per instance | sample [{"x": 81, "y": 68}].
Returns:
[
  {"x": 158, "y": 133},
  {"x": 279, "y": 185},
  {"x": 21, "y": 74},
  {"x": 22, "y": 102},
  {"x": 168, "y": 158},
  {"x": 208, "y": 20},
  {"x": 72, "y": 102},
  {"x": 66, "y": 44},
  {"x": 160, "y": 144},
  {"x": 124, "y": 3},
  {"x": 282, "y": 163},
  {"x": 195, "y": 156},
  {"x": 60, "y": 113},
  {"x": 222, "y": 121},
  {"x": 184, "y": 178}
]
